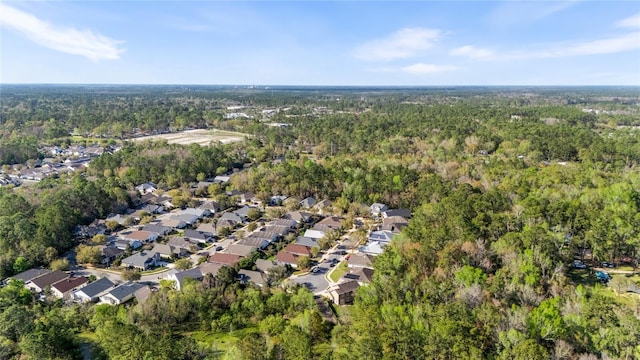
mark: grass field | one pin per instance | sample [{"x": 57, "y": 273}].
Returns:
[{"x": 197, "y": 136}]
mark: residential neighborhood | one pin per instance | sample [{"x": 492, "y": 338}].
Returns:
[{"x": 308, "y": 243}]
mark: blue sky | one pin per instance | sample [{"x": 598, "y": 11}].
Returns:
[{"x": 417, "y": 43}]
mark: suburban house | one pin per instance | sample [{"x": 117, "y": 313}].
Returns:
[
  {"x": 265, "y": 265},
  {"x": 93, "y": 291},
  {"x": 208, "y": 228},
  {"x": 299, "y": 216},
  {"x": 180, "y": 243},
  {"x": 188, "y": 219},
  {"x": 307, "y": 241},
  {"x": 152, "y": 209},
  {"x": 344, "y": 293},
  {"x": 225, "y": 259},
  {"x": 142, "y": 294},
  {"x": 197, "y": 236},
  {"x": 158, "y": 229},
  {"x": 146, "y": 188},
  {"x": 277, "y": 200},
  {"x": 290, "y": 223},
  {"x": 255, "y": 242},
  {"x": 276, "y": 231},
  {"x": 266, "y": 234},
  {"x": 331, "y": 222},
  {"x": 142, "y": 260},
  {"x": 361, "y": 275},
  {"x": 65, "y": 287},
  {"x": 173, "y": 223},
  {"x": 165, "y": 201},
  {"x": 307, "y": 203},
  {"x": 199, "y": 212},
  {"x": 229, "y": 219},
  {"x": 373, "y": 248},
  {"x": 298, "y": 250},
  {"x": 394, "y": 223},
  {"x": 91, "y": 230},
  {"x": 287, "y": 258},
  {"x": 405, "y": 213},
  {"x": 27, "y": 276},
  {"x": 125, "y": 244},
  {"x": 110, "y": 254},
  {"x": 178, "y": 278},
  {"x": 241, "y": 250},
  {"x": 120, "y": 219},
  {"x": 243, "y": 212},
  {"x": 221, "y": 179},
  {"x": 377, "y": 209},
  {"x": 322, "y": 206},
  {"x": 168, "y": 251},
  {"x": 39, "y": 283},
  {"x": 250, "y": 276},
  {"x": 360, "y": 261},
  {"x": 314, "y": 234},
  {"x": 212, "y": 206},
  {"x": 149, "y": 198},
  {"x": 248, "y": 197},
  {"x": 209, "y": 268},
  {"x": 142, "y": 236},
  {"x": 383, "y": 236},
  {"x": 121, "y": 294}
]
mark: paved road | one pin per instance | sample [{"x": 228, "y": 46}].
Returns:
[{"x": 317, "y": 282}]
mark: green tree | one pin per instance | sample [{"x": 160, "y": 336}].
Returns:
[
  {"x": 303, "y": 262},
  {"x": 88, "y": 254},
  {"x": 131, "y": 275},
  {"x": 253, "y": 347},
  {"x": 61, "y": 264},
  {"x": 296, "y": 343},
  {"x": 183, "y": 264}
]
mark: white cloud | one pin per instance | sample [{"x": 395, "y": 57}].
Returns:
[
  {"x": 472, "y": 52},
  {"x": 422, "y": 69},
  {"x": 630, "y": 22},
  {"x": 402, "y": 44},
  {"x": 517, "y": 13},
  {"x": 67, "y": 40},
  {"x": 610, "y": 45}
]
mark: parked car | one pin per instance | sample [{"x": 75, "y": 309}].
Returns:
[
  {"x": 603, "y": 276},
  {"x": 579, "y": 264},
  {"x": 607, "y": 264}
]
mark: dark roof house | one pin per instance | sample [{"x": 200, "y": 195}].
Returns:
[
  {"x": 93, "y": 291},
  {"x": 41, "y": 282}
]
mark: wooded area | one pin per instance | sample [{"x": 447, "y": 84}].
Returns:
[{"x": 507, "y": 188}]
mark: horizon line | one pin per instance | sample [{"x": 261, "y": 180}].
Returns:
[{"x": 262, "y": 86}]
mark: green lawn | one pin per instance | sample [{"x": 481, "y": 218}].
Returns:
[
  {"x": 582, "y": 276},
  {"x": 218, "y": 341},
  {"x": 339, "y": 271},
  {"x": 154, "y": 271}
]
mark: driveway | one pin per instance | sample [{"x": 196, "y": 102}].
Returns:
[{"x": 317, "y": 282}]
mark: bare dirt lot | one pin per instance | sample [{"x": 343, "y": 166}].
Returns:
[{"x": 197, "y": 136}]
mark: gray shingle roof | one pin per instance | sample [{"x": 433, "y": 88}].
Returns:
[
  {"x": 125, "y": 290},
  {"x": 97, "y": 287},
  {"x": 30, "y": 274}
]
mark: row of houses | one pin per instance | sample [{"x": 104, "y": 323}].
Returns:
[{"x": 66, "y": 286}]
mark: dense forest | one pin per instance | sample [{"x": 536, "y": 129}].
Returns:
[{"x": 507, "y": 188}]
